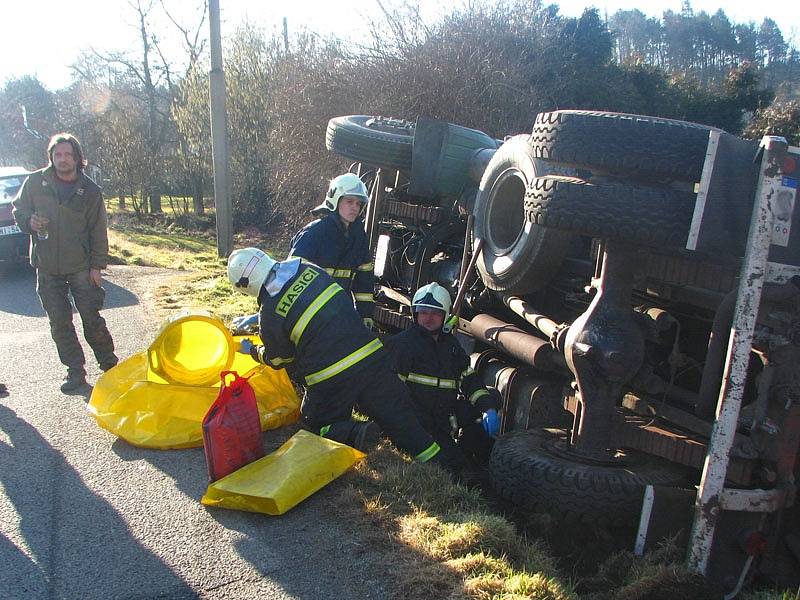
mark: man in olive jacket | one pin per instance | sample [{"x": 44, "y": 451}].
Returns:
[{"x": 63, "y": 210}]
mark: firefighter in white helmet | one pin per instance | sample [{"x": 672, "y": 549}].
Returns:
[
  {"x": 312, "y": 330},
  {"x": 337, "y": 242},
  {"x": 449, "y": 398}
]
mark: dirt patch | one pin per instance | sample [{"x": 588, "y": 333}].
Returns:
[{"x": 146, "y": 283}]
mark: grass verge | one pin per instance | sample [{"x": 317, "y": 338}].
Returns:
[
  {"x": 471, "y": 551},
  {"x": 200, "y": 281}
]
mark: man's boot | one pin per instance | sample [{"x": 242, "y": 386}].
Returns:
[
  {"x": 74, "y": 381},
  {"x": 105, "y": 366},
  {"x": 361, "y": 435}
]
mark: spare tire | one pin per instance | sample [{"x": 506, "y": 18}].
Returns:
[
  {"x": 379, "y": 141},
  {"x": 633, "y": 146},
  {"x": 518, "y": 256},
  {"x": 533, "y": 470},
  {"x": 640, "y": 214}
]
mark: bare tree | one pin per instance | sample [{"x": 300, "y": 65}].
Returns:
[{"x": 147, "y": 76}]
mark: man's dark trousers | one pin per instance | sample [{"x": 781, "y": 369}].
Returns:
[{"x": 54, "y": 293}]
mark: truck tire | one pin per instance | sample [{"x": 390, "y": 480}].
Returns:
[
  {"x": 632, "y": 146},
  {"x": 379, "y": 141},
  {"x": 647, "y": 215},
  {"x": 518, "y": 256},
  {"x": 526, "y": 469}
]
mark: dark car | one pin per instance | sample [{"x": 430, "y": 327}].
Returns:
[{"x": 13, "y": 243}]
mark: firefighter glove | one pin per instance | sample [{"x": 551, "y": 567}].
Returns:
[
  {"x": 491, "y": 422},
  {"x": 244, "y": 325}
]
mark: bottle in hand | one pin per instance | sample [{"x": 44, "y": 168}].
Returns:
[{"x": 42, "y": 234}]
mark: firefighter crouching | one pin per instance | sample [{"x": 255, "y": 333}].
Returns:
[
  {"x": 338, "y": 243},
  {"x": 449, "y": 399},
  {"x": 313, "y": 331}
]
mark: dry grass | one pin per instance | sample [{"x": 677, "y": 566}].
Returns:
[
  {"x": 771, "y": 595},
  {"x": 200, "y": 280},
  {"x": 463, "y": 549},
  {"x": 659, "y": 574}
]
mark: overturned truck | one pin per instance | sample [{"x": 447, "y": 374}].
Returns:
[{"x": 631, "y": 286}]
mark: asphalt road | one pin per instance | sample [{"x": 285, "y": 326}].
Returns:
[{"x": 85, "y": 515}]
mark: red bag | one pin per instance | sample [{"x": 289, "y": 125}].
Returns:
[{"x": 231, "y": 428}]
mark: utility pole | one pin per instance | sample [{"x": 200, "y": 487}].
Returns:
[{"x": 219, "y": 136}]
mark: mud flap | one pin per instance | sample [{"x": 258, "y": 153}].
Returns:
[{"x": 666, "y": 512}]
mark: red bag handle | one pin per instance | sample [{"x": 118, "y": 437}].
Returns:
[{"x": 237, "y": 382}]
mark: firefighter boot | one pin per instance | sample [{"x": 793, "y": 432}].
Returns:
[
  {"x": 450, "y": 461},
  {"x": 361, "y": 435},
  {"x": 365, "y": 436}
]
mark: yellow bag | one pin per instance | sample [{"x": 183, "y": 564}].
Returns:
[
  {"x": 281, "y": 480},
  {"x": 158, "y": 398}
]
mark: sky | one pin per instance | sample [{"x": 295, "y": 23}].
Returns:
[{"x": 46, "y": 44}]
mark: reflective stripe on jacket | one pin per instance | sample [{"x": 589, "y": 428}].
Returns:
[
  {"x": 343, "y": 253},
  {"x": 311, "y": 328},
  {"x": 436, "y": 371}
]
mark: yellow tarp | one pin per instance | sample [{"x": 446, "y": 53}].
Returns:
[
  {"x": 281, "y": 480},
  {"x": 158, "y": 398}
]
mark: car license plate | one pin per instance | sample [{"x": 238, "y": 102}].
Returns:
[{"x": 9, "y": 229}]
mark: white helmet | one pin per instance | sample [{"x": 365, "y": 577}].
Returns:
[
  {"x": 432, "y": 295},
  {"x": 348, "y": 184},
  {"x": 248, "y": 269}
]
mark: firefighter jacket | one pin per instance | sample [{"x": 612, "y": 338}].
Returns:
[
  {"x": 310, "y": 328},
  {"x": 343, "y": 252},
  {"x": 436, "y": 370},
  {"x": 77, "y": 233}
]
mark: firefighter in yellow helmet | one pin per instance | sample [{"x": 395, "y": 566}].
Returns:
[
  {"x": 449, "y": 399},
  {"x": 313, "y": 331}
]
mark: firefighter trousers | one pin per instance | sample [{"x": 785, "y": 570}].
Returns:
[
  {"x": 458, "y": 431},
  {"x": 377, "y": 392}
]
